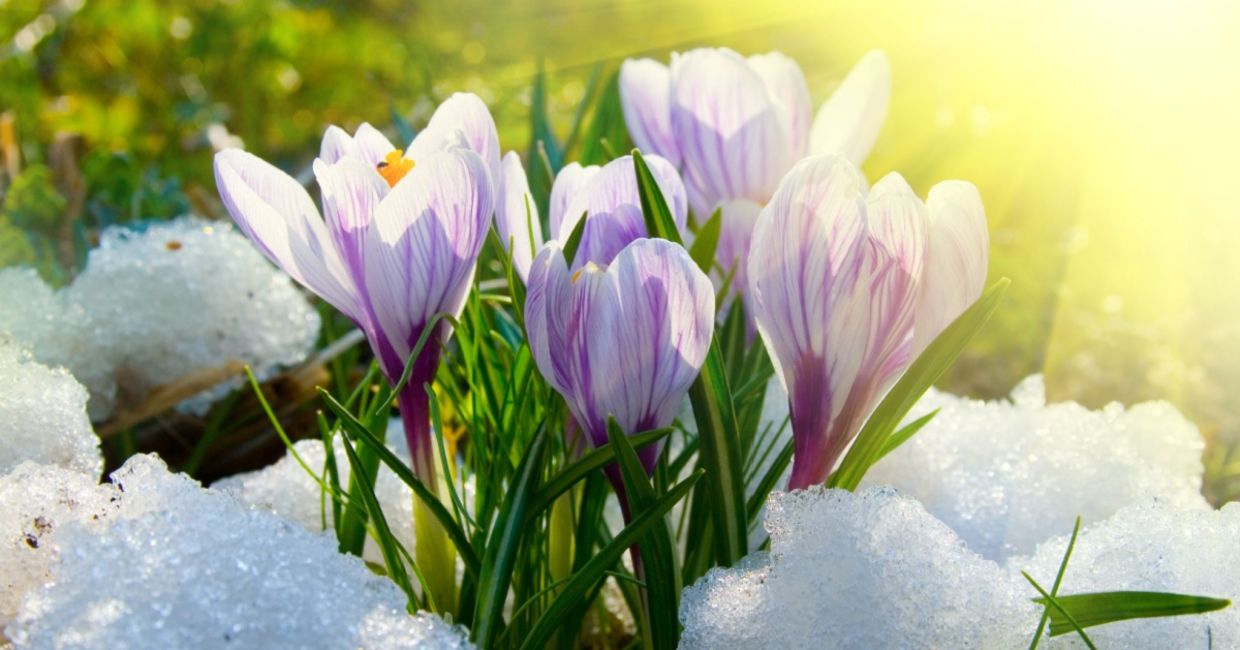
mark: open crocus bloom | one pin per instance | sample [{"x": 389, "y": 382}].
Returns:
[
  {"x": 736, "y": 125},
  {"x": 397, "y": 242},
  {"x": 845, "y": 283},
  {"x": 606, "y": 196},
  {"x": 626, "y": 340}
]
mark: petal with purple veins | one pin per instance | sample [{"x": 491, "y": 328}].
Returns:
[
  {"x": 645, "y": 86},
  {"x": 849, "y": 122}
]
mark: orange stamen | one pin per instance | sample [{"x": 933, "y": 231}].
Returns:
[{"x": 394, "y": 167}]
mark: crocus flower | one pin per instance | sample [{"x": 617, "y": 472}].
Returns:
[
  {"x": 606, "y": 196},
  {"x": 736, "y": 125},
  {"x": 840, "y": 285},
  {"x": 625, "y": 340},
  {"x": 398, "y": 239}
]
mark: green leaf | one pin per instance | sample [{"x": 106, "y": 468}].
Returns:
[
  {"x": 591, "y": 461},
  {"x": 658, "y": 557},
  {"x": 1067, "y": 616},
  {"x": 707, "y": 241},
  {"x": 1105, "y": 607},
  {"x": 904, "y": 434},
  {"x": 659, "y": 221},
  {"x": 720, "y": 455},
  {"x": 574, "y": 240},
  {"x": 1063, "y": 567},
  {"x": 505, "y": 543},
  {"x": 920, "y": 376},
  {"x": 607, "y": 131},
  {"x": 362, "y": 435},
  {"x": 543, "y": 145},
  {"x": 383, "y": 534},
  {"x": 596, "y": 569}
]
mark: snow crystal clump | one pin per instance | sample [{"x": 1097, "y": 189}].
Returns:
[
  {"x": 287, "y": 490},
  {"x": 190, "y": 295},
  {"x": 43, "y": 416},
  {"x": 36, "y": 501},
  {"x": 865, "y": 570},
  {"x": 56, "y": 331},
  {"x": 1002, "y": 474},
  {"x": 1152, "y": 546},
  {"x": 182, "y": 567}
]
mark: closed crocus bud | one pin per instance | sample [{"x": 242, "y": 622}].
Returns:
[
  {"x": 624, "y": 341},
  {"x": 833, "y": 273},
  {"x": 609, "y": 200}
]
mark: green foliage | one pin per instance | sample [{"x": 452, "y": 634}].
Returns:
[
  {"x": 32, "y": 202},
  {"x": 1088, "y": 610}
]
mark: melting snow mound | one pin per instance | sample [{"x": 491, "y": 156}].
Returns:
[{"x": 43, "y": 416}]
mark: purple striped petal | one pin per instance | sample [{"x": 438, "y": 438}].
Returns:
[
  {"x": 613, "y": 205},
  {"x": 568, "y": 183},
  {"x": 422, "y": 247},
  {"x": 786, "y": 84},
  {"x": 277, "y": 214},
  {"x": 626, "y": 341},
  {"x": 466, "y": 113},
  {"x": 849, "y": 122},
  {"x": 645, "y": 86},
  {"x": 516, "y": 216},
  {"x": 831, "y": 301},
  {"x": 351, "y": 192},
  {"x": 956, "y": 259},
  {"x": 733, "y": 135}
]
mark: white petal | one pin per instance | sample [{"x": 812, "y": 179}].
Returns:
[
  {"x": 786, "y": 84},
  {"x": 277, "y": 214},
  {"x": 956, "y": 258},
  {"x": 351, "y": 192},
  {"x": 897, "y": 220},
  {"x": 467, "y": 113},
  {"x": 568, "y": 183},
  {"x": 336, "y": 145},
  {"x": 372, "y": 146},
  {"x": 850, "y": 120},
  {"x": 645, "y": 86},
  {"x": 516, "y": 216}
]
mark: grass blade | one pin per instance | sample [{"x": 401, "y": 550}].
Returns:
[
  {"x": 707, "y": 241},
  {"x": 596, "y": 569},
  {"x": 658, "y": 558},
  {"x": 659, "y": 221},
  {"x": 904, "y": 434},
  {"x": 1058, "y": 607},
  {"x": 590, "y": 462},
  {"x": 1088, "y": 610},
  {"x": 362, "y": 435},
  {"x": 505, "y": 543}
]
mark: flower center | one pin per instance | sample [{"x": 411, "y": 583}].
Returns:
[
  {"x": 394, "y": 166},
  {"x": 589, "y": 267}
]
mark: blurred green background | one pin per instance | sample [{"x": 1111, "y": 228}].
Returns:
[{"x": 1101, "y": 135}]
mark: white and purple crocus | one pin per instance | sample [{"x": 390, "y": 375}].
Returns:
[
  {"x": 849, "y": 284},
  {"x": 735, "y": 125},
  {"x": 605, "y": 196},
  {"x": 398, "y": 239},
  {"x": 625, "y": 340}
]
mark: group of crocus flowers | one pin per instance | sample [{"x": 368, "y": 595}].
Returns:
[{"x": 844, "y": 283}]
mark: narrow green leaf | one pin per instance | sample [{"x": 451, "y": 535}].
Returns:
[
  {"x": 1058, "y": 607},
  {"x": 362, "y": 435},
  {"x": 1063, "y": 568},
  {"x": 920, "y": 376},
  {"x": 905, "y": 433},
  {"x": 607, "y": 131},
  {"x": 596, "y": 569},
  {"x": 707, "y": 241},
  {"x": 1105, "y": 607},
  {"x": 383, "y": 534},
  {"x": 658, "y": 557},
  {"x": 505, "y": 543},
  {"x": 720, "y": 456},
  {"x": 591, "y": 461},
  {"x": 574, "y": 239},
  {"x": 768, "y": 481},
  {"x": 659, "y": 221}
]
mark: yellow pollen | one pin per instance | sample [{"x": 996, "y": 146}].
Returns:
[
  {"x": 590, "y": 266},
  {"x": 394, "y": 167}
]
